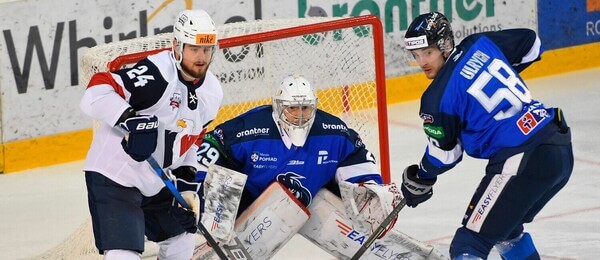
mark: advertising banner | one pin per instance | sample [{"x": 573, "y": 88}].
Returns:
[
  {"x": 568, "y": 23},
  {"x": 42, "y": 42}
]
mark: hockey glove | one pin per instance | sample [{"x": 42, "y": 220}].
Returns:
[
  {"x": 187, "y": 218},
  {"x": 368, "y": 204},
  {"x": 415, "y": 189},
  {"x": 141, "y": 141}
]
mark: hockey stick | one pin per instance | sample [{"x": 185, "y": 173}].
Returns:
[
  {"x": 379, "y": 230},
  {"x": 211, "y": 241}
]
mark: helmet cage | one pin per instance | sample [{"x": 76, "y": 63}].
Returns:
[{"x": 295, "y": 107}]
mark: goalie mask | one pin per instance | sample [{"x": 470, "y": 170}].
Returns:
[
  {"x": 194, "y": 27},
  {"x": 295, "y": 106}
]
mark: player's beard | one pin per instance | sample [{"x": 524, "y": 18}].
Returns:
[{"x": 195, "y": 71}]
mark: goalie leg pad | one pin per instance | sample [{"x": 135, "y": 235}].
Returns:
[
  {"x": 329, "y": 229},
  {"x": 266, "y": 225},
  {"x": 222, "y": 194},
  {"x": 271, "y": 221}
]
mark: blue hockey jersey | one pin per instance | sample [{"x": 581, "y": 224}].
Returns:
[
  {"x": 479, "y": 104},
  {"x": 252, "y": 144}
]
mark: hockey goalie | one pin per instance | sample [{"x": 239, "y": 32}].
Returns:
[{"x": 290, "y": 168}]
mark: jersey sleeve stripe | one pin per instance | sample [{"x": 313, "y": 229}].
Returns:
[
  {"x": 533, "y": 53},
  {"x": 446, "y": 157},
  {"x": 355, "y": 170},
  {"x": 106, "y": 78}
]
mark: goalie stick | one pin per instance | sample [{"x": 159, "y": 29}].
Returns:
[
  {"x": 211, "y": 241},
  {"x": 379, "y": 230}
]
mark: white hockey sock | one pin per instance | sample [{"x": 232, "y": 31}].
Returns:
[
  {"x": 120, "y": 254},
  {"x": 177, "y": 247}
]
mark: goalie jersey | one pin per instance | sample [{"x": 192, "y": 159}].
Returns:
[
  {"x": 479, "y": 104},
  {"x": 252, "y": 144}
]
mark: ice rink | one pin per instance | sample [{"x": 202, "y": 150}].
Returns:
[{"x": 41, "y": 207}]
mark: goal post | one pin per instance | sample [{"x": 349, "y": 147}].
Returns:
[{"x": 343, "y": 58}]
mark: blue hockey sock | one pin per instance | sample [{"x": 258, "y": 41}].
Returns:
[{"x": 521, "y": 247}]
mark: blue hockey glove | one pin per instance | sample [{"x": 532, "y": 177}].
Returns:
[
  {"x": 415, "y": 189},
  {"x": 141, "y": 141},
  {"x": 187, "y": 218}
]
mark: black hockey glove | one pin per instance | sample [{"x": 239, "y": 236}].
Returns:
[
  {"x": 415, "y": 189},
  {"x": 141, "y": 141},
  {"x": 187, "y": 218}
]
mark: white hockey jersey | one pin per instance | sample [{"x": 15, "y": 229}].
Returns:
[{"x": 152, "y": 87}]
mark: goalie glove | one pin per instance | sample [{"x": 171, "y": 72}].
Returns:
[
  {"x": 415, "y": 189},
  {"x": 368, "y": 204},
  {"x": 188, "y": 188}
]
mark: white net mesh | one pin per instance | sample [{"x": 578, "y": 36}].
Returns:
[{"x": 340, "y": 64}]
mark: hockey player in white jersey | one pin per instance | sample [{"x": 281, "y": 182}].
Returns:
[
  {"x": 158, "y": 108},
  {"x": 295, "y": 146}
]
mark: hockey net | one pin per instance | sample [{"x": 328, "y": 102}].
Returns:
[{"x": 342, "y": 58}]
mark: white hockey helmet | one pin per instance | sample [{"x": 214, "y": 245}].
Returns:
[
  {"x": 193, "y": 27},
  {"x": 295, "y": 106}
]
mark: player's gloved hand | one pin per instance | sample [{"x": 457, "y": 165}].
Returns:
[
  {"x": 368, "y": 204},
  {"x": 140, "y": 143},
  {"x": 187, "y": 217},
  {"x": 415, "y": 189}
]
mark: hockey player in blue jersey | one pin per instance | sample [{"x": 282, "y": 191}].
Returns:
[{"x": 478, "y": 103}]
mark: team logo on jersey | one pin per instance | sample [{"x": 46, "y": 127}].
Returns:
[
  {"x": 292, "y": 181},
  {"x": 218, "y": 132},
  {"x": 181, "y": 124},
  {"x": 531, "y": 119},
  {"x": 427, "y": 118},
  {"x": 175, "y": 100}
]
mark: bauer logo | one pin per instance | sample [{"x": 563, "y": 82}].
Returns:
[{"x": 210, "y": 39}]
